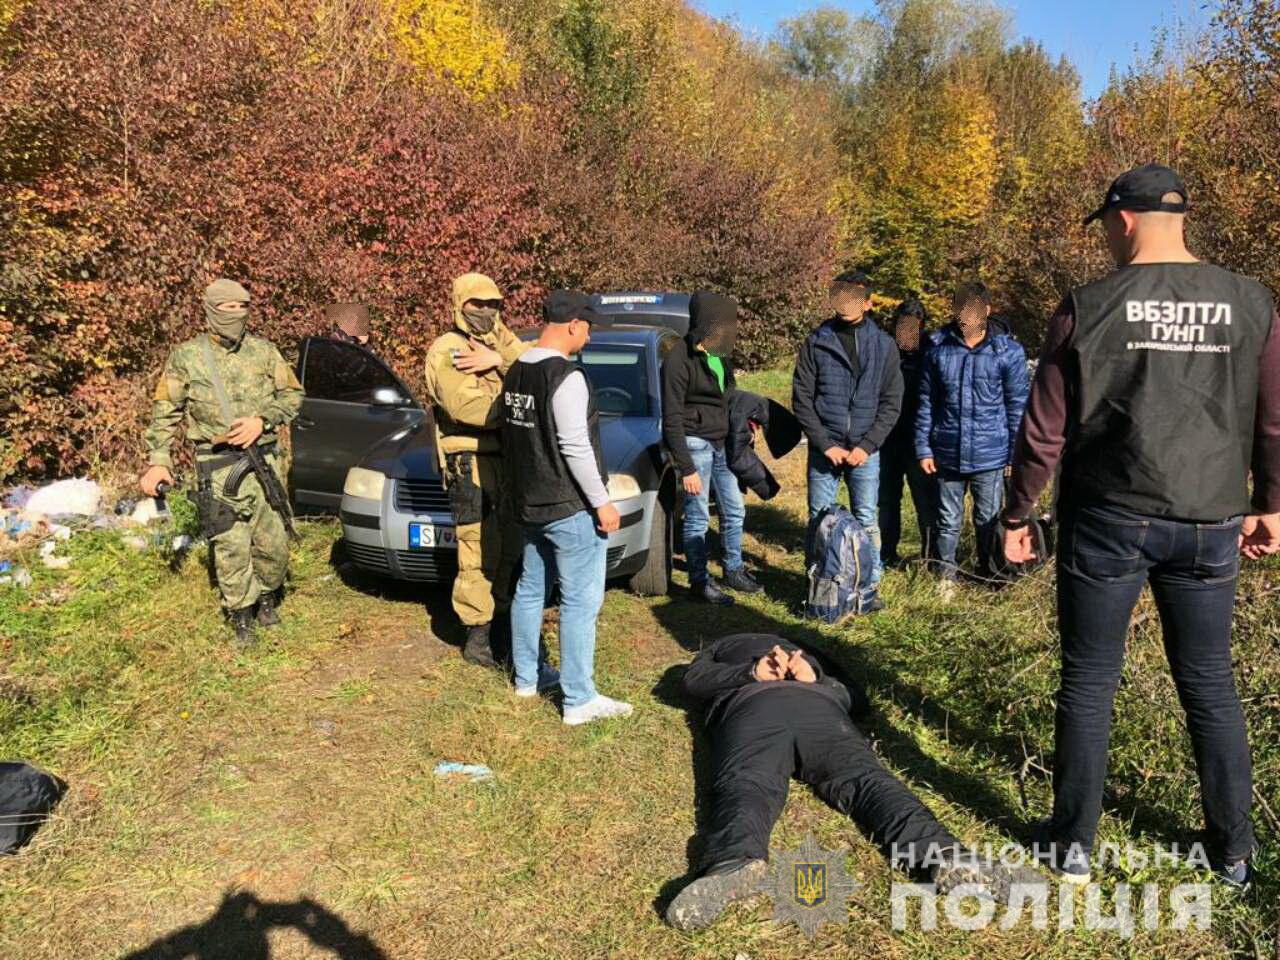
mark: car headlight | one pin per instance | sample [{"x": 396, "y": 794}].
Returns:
[
  {"x": 364, "y": 483},
  {"x": 623, "y": 486}
]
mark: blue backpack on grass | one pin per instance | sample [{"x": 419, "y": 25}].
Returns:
[{"x": 839, "y": 556}]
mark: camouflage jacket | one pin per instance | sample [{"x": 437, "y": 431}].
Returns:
[
  {"x": 258, "y": 381},
  {"x": 467, "y": 413}
]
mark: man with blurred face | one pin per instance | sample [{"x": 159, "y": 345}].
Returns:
[
  {"x": 973, "y": 388},
  {"x": 464, "y": 371},
  {"x": 697, "y": 382},
  {"x": 349, "y": 322},
  {"x": 233, "y": 390},
  {"x": 847, "y": 394},
  {"x": 898, "y": 455},
  {"x": 772, "y": 712},
  {"x": 1157, "y": 395}
]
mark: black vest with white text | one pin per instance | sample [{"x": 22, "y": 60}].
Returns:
[
  {"x": 1166, "y": 358},
  {"x": 540, "y": 485}
]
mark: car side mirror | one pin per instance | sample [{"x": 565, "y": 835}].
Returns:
[{"x": 387, "y": 397}]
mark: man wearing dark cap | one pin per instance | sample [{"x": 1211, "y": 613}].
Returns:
[
  {"x": 350, "y": 322},
  {"x": 1157, "y": 394},
  {"x": 233, "y": 390},
  {"x": 847, "y": 394},
  {"x": 697, "y": 378},
  {"x": 557, "y": 483}
]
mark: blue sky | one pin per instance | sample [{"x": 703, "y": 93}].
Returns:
[{"x": 1093, "y": 34}]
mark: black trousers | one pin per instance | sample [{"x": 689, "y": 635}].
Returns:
[
  {"x": 762, "y": 742},
  {"x": 1106, "y": 556},
  {"x": 898, "y": 463}
]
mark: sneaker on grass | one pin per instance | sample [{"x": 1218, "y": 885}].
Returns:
[
  {"x": 548, "y": 680},
  {"x": 598, "y": 707}
]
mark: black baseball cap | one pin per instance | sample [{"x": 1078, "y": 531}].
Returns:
[
  {"x": 1141, "y": 190},
  {"x": 562, "y": 306}
]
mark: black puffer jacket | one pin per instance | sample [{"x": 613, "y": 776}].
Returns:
[
  {"x": 693, "y": 405},
  {"x": 781, "y": 434}
]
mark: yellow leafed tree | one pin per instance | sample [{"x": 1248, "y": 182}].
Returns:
[{"x": 452, "y": 40}]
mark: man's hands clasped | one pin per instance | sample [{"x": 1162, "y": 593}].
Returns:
[{"x": 777, "y": 664}]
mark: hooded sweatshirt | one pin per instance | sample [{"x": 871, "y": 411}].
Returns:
[
  {"x": 468, "y": 413},
  {"x": 694, "y": 402}
]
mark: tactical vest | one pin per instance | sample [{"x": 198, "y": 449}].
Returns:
[
  {"x": 1166, "y": 359},
  {"x": 541, "y": 487}
]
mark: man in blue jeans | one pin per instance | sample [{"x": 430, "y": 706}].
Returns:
[
  {"x": 847, "y": 394},
  {"x": 556, "y": 476},
  {"x": 697, "y": 377},
  {"x": 973, "y": 389},
  {"x": 1158, "y": 396}
]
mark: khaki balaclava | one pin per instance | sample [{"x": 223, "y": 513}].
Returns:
[
  {"x": 475, "y": 321},
  {"x": 226, "y": 325}
]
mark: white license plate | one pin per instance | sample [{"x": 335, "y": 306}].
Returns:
[{"x": 430, "y": 536}]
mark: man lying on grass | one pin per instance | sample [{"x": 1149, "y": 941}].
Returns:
[{"x": 772, "y": 712}]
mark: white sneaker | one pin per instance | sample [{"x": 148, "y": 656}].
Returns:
[
  {"x": 599, "y": 707},
  {"x": 947, "y": 591},
  {"x": 548, "y": 680}
]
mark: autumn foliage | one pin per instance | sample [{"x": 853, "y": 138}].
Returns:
[
  {"x": 370, "y": 150},
  {"x": 151, "y": 145}
]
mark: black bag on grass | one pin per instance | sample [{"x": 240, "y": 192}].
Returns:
[{"x": 27, "y": 795}]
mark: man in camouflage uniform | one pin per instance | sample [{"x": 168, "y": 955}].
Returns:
[
  {"x": 465, "y": 367},
  {"x": 249, "y": 546}
]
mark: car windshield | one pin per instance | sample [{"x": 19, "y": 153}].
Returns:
[{"x": 619, "y": 377}]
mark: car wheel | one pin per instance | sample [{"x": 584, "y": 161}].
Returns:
[{"x": 654, "y": 578}]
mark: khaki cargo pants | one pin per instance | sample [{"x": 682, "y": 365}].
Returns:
[
  {"x": 489, "y": 550},
  {"x": 251, "y": 555}
]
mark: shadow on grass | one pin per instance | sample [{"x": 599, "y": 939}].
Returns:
[
  {"x": 668, "y": 691},
  {"x": 434, "y": 598},
  {"x": 239, "y": 930}
]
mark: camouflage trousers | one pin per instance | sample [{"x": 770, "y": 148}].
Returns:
[
  {"x": 489, "y": 550},
  {"x": 251, "y": 549}
]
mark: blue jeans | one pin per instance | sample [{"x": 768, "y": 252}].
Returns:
[
  {"x": 864, "y": 495},
  {"x": 1105, "y": 556},
  {"x": 713, "y": 470},
  {"x": 987, "y": 490},
  {"x": 572, "y": 552}
]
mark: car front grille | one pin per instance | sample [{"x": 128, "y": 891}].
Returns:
[
  {"x": 421, "y": 496},
  {"x": 363, "y": 555},
  {"x": 428, "y": 564},
  {"x": 613, "y": 556}
]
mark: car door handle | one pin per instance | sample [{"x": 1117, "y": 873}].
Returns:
[{"x": 304, "y": 423}]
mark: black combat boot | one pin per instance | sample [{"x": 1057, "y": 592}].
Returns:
[
  {"x": 267, "y": 613},
  {"x": 242, "y": 621},
  {"x": 710, "y": 592},
  {"x": 477, "y": 649}
]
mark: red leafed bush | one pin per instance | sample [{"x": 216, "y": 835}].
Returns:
[{"x": 149, "y": 146}]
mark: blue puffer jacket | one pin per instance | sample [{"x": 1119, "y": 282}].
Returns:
[{"x": 971, "y": 401}]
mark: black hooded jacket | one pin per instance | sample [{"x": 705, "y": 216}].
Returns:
[
  {"x": 693, "y": 405},
  {"x": 782, "y": 434}
]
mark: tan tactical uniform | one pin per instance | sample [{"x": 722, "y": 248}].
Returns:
[
  {"x": 468, "y": 416},
  {"x": 251, "y": 550}
]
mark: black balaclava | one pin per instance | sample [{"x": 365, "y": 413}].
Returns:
[
  {"x": 713, "y": 322},
  {"x": 227, "y": 326}
]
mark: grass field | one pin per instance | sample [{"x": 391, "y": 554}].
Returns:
[{"x": 282, "y": 803}]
